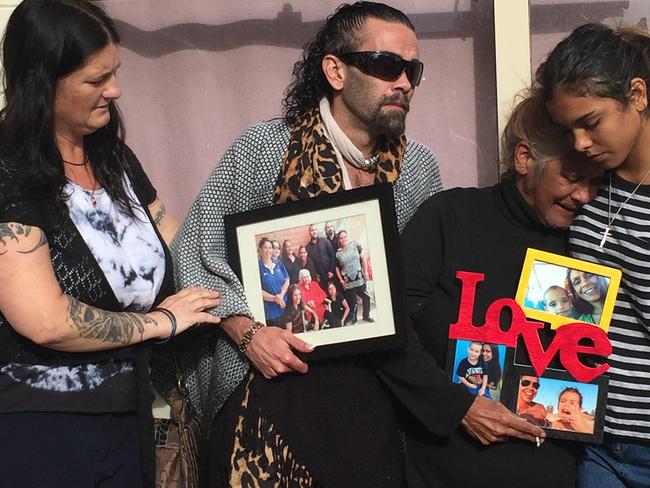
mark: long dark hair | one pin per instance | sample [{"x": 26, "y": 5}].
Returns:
[
  {"x": 290, "y": 307},
  {"x": 493, "y": 367},
  {"x": 597, "y": 60},
  {"x": 298, "y": 255},
  {"x": 263, "y": 241},
  {"x": 340, "y": 33},
  {"x": 45, "y": 41},
  {"x": 582, "y": 306}
]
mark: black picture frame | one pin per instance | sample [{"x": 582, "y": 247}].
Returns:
[
  {"x": 371, "y": 211},
  {"x": 553, "y": 382}
]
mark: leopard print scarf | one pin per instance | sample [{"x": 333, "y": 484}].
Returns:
[{"x": 310, "y": 167}]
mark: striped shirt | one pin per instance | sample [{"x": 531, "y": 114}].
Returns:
[{"x": 627, "y": 248}]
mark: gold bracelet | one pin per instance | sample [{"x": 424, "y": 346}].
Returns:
[{"x": 248, "y": 336}]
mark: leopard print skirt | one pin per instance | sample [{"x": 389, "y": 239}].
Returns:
[{"x": 333, "y": 427}]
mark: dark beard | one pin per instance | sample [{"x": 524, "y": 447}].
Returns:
[
  {"x": 393, "y": 123},
  {"x": 358, "y": 99}
]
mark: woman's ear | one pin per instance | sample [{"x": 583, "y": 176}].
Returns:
[
  {"x": 524, "y": 161},
  {"x": 334, "y": 71},
  {"x": 639, "y": 94}
]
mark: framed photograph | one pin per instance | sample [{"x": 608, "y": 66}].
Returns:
[
  {"x": 328, "y": 269},
  {"x": 563, "y": 407},
  {"x": 562, "y": 290},
  {"x": 473, "y": 363}
]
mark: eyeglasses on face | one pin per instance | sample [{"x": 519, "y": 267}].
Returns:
[
  {"x": 528, "y": 383},
  {"x": 385, "y": 65}
]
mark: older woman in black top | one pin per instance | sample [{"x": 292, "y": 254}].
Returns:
[
  {"x": 488, "y": 230},
  {"x": 83, "y": 260}
]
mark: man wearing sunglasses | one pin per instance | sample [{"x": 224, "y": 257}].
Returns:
[
  {"x": 533, "y": 412},
  {"x": 343, "y": 127}
]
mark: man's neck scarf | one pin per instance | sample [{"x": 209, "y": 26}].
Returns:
[{"x": 311, "y": 167}]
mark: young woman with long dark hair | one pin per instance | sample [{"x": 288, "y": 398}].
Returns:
[{"x": 595, "y": 83}]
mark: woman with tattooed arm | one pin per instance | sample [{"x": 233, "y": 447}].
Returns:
[{"x": 84, "y": 270}]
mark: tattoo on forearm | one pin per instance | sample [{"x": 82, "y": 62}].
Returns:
[
  {"x": 13, "y": 231},
  {"x": 114, "y": 327},
  {"x": 159, "y": 214}
]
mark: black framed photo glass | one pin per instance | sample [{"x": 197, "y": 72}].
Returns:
[{"x": 327, "y": 269}]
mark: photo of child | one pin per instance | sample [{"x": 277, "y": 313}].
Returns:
[
  {"x": 570, "y": 415},
  {"x": 557, "y": 301},
  {"x": 471, "y": 369},
  {"x": 570, "y": 405}
]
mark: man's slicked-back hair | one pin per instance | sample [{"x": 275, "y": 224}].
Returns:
[{"x": 340, "y": 33}]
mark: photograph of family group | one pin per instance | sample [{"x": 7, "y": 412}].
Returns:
[
  {"x": 324, "y": 269},
  {"x": 317, "y": 276}
]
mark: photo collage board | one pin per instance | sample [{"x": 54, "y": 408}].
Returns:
[{"x": 548, "y": 366}]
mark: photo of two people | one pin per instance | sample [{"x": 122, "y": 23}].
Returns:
[
  {"x": 479, "y": 366},
  {"x": 557, "y": 404},
  {"x": 567, "y": 292},
  {"x": 561, "y": 290}
]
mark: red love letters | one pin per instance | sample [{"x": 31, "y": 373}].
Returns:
[{"x": 567, "y": 338}]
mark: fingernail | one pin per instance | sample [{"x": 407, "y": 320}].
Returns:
[{"x": 311, "y": 347}]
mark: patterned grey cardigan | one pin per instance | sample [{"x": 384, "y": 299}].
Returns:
[{"x": 243, "y": 180}]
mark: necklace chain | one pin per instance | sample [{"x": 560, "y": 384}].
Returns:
[
  {"x": 369, "y": 164},
  {"x": 610, "y": 219},
  {"x": 75, "y": 164},
  {"x": 91, "y": 194}
]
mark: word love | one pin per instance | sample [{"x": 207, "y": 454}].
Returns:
[{"x": 567, "y": 338}]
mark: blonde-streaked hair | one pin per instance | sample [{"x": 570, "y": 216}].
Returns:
[{"x": 530, "y": 122}]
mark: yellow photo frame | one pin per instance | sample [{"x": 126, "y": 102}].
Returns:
[{"x": 562, "y": 290}]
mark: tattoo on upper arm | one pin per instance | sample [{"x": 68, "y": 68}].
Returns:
[
  {"x": 18, "y": 233},
  {"x": 160, "y": 213},
  {"x": 114, "y": 327}
]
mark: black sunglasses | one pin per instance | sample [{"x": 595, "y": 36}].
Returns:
[
  {"x": 385, "y": 65},
  {"x": 528, "y": 382}
]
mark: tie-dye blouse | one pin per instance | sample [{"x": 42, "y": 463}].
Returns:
[{"x": 134, "y": 263}]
